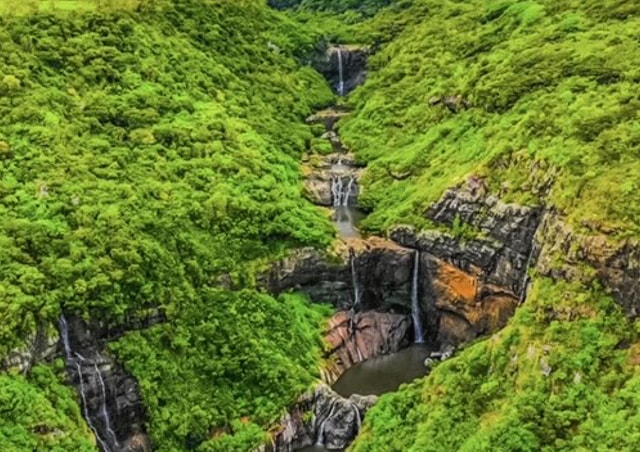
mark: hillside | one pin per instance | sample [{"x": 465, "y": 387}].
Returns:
[
  {"x": 149, "y": 162},
  {"x": 163, "y": 265},
  {"x": 547, "y": 116}
]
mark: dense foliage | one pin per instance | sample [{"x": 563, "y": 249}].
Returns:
[
  {"x": 551, "y": 118},
  {"x": 39, "y": 412},
  {"x": 148, "y": 152},
  {"x": 554, "y": 104},
  {"x": 234, "y": 371}
]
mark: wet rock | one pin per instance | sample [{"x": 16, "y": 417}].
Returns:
[
  {"x": 353, "y": 60},
  {"x": 328, "y": 117},
  {"x": 337, "y": 419},
  {"x": 472, "y": 285},
  {"x": 354, "y": 337},
  {"x": 383, "y": 274},
  {"x": 320, "y": 417},
  {"x": 323, "y": 173},
  {"x": 109, "y": 396}
]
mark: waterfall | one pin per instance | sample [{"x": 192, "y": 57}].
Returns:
[
  {"x": 354, "y": 280},
  {"x": 337, "y": 190},
  {"x": 347, "y": 194},
  {"x": 415, "y": 300},
  {"x": 75, "y": 362},
  {"x": 321, "y": 427},
  {"x": 340, "y": 193},
  {"x": 103, "y": 405},
  {"x": 340, "y": 73}
]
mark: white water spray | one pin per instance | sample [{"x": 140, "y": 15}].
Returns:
[
  {"x": 415, "y": 301},
  {"x": 340, "y": 73}
]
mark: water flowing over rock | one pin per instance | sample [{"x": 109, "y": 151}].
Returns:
[
  {"x": 332, "y": 180},
  {"x": 416, "y": 313},
  {"x": 110, "y": 398},
  {"x": 320, "y": 417},
  {"x": 384, "y": 273},
  {"x": 345, "y": 66}
]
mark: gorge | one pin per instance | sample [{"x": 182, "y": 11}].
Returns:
[{"x": 308, "y": 225}]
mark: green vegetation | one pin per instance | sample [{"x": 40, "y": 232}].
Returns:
[
  {"x": 39, "y": 412},
  {"x": 562, "y": 376},
  {"x": 148, "y": 155},
  {"x": 235, "y": 371},
  {"x": 555, "y": 103},
  {"x": 150, "y": 159}
]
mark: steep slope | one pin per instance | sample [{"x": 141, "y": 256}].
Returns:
[
  {"x": 535, "y": 103},
  {"x": 149, "y": 164}
]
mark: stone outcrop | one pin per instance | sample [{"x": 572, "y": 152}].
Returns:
[
  {"x": 565, "y": 253},
  {"x": 41, "y": 346},
  {"x": 354, "y": 66},
  {"x": 320, "y": 417},
  {"x": 382, "y": 268},
  {"x": 323, "y": 416},
  {"x": 354, "y": 337},
  {"x": 110, "y": 397},
  {"x": 472, "y": 285}
]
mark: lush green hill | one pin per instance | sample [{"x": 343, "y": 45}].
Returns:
[
  {"x": 147, "y": 156},
  {"x": 553, "y": 120},
  {"x": 553, "y": 86}
]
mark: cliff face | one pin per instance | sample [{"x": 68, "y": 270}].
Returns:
[{"x": 467, "y": 286}]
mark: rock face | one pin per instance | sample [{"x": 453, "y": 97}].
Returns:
[
  {"x": 382, "y": 273},
  {"x": 353, "y": 61},
  {"x": 564, "y": 253},
  {"x": 323, "y": 416},
  {"x": 40, "y": 346},
  {"x": 354, "y": 337},
  {"x": 320, "y": 417},
  {"x": 110, "y": 398},
  {"x": 472, "y": 286}
]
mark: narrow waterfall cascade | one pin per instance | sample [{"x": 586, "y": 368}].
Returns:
[
  {"x": 340, "y": 73},
  {"x": 354, "y": 280},
  {"x": 415, "y": 300},
  {"x": 100, "y": 422},
  {"x": 337, "y": 190}
]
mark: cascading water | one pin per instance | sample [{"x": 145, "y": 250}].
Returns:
[
  {"x": 337, "y": 190},
  {"x": 75, "y": 363},
  {"x": 321, "y": 427},
  {"x": 354, "y": 280},
  {"x": 347, "y": 193},
  {"x": 340, "y": 73},
  {"x": 415, "y": 300},
  {"x": 341, "y": 194}
]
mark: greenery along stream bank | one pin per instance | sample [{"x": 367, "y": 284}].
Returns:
[{"x": 150, "y": 160}]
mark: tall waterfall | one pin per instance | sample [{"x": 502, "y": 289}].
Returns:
[
  {"x": 340, "y": 73},
  {"x": 415, "y": 300},
  {"x": 354, "y": 278},
  {"x": 91, "y": 384}
]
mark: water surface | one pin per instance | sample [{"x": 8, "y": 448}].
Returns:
[{"x": 385, "y": 373}]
